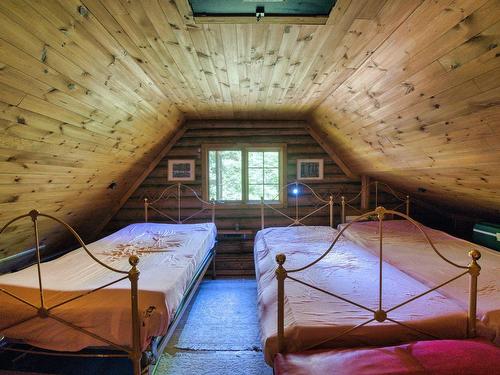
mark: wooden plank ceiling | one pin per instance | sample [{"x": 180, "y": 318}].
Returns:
[{"x": 90, "y": 90}]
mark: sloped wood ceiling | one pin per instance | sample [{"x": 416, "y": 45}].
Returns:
[
  {"x": 423, "y": 110},
  {"x": 77, "y": 114},
  {"x": 90, "y": 90}
]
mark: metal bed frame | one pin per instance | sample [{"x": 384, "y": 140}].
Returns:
[
  {"x": 169, "y": 192},
  {"x": 404, "y": 200},
  {"x": 175, "y": 191},
  {"x": 143, "y": 362},
  {"x": 379, "y": 314},
  {"x": 298, "y": 220}
]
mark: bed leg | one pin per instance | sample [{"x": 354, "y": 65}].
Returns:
[
  {"x": 136, "y": 353},
  {"x": 474, "y": 270},
  {"x": 280, "y": 277},
  {"x": 214, "y": 275}
]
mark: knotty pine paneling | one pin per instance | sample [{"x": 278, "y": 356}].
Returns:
[
  {"x": 234, "y": 257},
  {"x": 77, "y": 112},
  {"x": 90, "y": 90},
  {"x": 422, "y": 112}
]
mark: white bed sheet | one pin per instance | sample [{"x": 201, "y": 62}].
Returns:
[
  {"x": 407, "y": 249},
  {"x": 169, "y": 257},
  {"x": 349, "y": 271}
]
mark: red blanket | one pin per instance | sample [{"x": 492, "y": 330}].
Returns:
[{"x": 439, "y": 357}]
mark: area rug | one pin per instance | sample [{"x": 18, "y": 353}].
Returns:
[{"x": 219, "y": 334}]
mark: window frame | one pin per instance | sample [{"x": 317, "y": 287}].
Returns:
[{"x": 245, "y": 148}]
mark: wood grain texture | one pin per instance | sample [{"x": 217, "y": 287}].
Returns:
[
  {"x": 92, "y": 90},
  {"x": 422, "y": 113},
  {"x": 235, "y": 257},
  {"x": 77, "y": 113}
]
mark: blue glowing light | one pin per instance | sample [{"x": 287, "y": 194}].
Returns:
[{"x": 295, "y": 191}]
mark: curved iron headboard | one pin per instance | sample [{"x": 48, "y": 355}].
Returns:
[
  {"x": 404, "y": 199},
  {"x": 298, "y": 221},
  {"x": 170, "y": 192}
]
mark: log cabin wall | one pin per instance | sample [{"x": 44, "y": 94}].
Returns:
[{"x": 234, "y": 257}]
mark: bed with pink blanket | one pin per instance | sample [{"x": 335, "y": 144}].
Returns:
[
  {"x": 351, "y": 272},
  {"x": 406, "y": 248},
  {"x": 170, "y": 255},
  {"x": 439, "y": 357}
]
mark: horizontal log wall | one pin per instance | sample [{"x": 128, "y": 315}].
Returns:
[{"x": 235, "y": 257}]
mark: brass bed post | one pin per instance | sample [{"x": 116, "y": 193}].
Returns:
[
  {"x": 261, "y": 212},
  {"x": 213, "y": 211},
  {"x": 34, "y": 217},
  {"x": 330, "y": 204},
  {"x": 146, "y": 204},
  {"x": 281, "y": 276},
  {"x": 407, "y": 205},
  {"x": 296, "y": 202},
  {"x": 342, "y": 214},
  {"x": 376, "y": 193},
  {"x": 179, "y": 203},
  {"x": 474, "y": 270},
  {"x": 136, "y": 353},
  {"x": 214, "y": 274}
]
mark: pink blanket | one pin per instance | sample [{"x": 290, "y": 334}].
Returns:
[
  {"x": 313, "y": 318},
  {"x": 406, "y": 248},
  {"x": 442, "y": 357},
  {"x": 169, "y": 256}
]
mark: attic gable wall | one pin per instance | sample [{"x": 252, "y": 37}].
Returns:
[{"x": 235, "y": 257}]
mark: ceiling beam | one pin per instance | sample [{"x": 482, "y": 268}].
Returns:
[{"x": 330, "y": 151}]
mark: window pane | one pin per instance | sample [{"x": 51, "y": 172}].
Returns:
[
  {"x": 255, "y": 159},
  {"x": 271, "y": 159},
  {"x": 212, "y": 175},
  {"x": 272, "y": 176},
  {"x": 255, "y": 176},
  {"x": 271, "y": 192},
  {"x": 255, "y": 192},
  {"x": 230, "y": 175},
  {"x": 225, "y": 171}
]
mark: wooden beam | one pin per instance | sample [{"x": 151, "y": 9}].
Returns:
[
  {"x": 140, "y": 180},
  {"x": 365, "y": 192},
  {"x": 329, "y": 150}
]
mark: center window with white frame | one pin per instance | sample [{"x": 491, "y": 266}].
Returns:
[{"x": 244, "y": 173}]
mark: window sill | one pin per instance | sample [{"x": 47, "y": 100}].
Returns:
[{"x": 249, "y": 205}]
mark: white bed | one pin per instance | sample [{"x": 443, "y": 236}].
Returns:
[
  {"x": 406, "y": 248},
  {"x": 312, "y": 317},
  {"x": 170, "y": 255}
]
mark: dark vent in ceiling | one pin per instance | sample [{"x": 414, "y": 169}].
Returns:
[{"x": 272, "y": 8}]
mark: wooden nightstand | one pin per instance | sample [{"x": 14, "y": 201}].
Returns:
[{"x": 234, "y": 251}]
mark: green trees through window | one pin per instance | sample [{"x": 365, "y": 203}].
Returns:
[
  {"x": 225, "y": 175},
  {"x": 263, "y": 175},
  {"x": 245, "y": 174}
]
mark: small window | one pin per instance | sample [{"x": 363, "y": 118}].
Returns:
[
  {"x": 244, "y": 174},
  {"x": 264, "y": 175},
  {"x": 225, "y": 181}
]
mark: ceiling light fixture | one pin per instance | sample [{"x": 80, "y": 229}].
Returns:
[{"x": 259, "y": 13}]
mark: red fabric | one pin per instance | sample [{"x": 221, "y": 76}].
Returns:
[{"x": 439, "y": 357}]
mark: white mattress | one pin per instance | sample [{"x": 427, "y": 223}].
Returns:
[
  {"x": 406, "y": 248},
  {"x": 352, "y": 272},
  {"x": 169, "y": 257}
]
